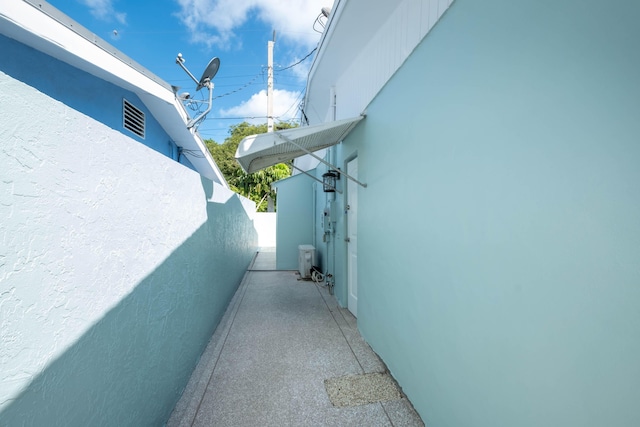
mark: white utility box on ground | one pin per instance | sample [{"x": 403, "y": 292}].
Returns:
[{"x": 306, "y": 259}]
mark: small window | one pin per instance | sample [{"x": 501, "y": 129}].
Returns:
[{"x": 133, "y": 118}]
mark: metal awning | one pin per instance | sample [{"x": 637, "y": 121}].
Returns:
[{"x": 257, "y": 152}]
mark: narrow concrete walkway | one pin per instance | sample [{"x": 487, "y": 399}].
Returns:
[{"x": 281, "y": 345}]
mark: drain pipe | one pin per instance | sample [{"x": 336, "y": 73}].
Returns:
[
  {"x": 328, "y": 276},
  {"x": 331, "y": 204},
  {"x": 329, "y": 226},
  {"x": 331, "y": 200},
  {"x": 315, "y": 216}
]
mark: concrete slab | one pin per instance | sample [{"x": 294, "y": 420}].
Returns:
[
  {"x": 266, "y": 260},
  {"x": 267, "y": 362},
  {"x": 362, "y": 389}
]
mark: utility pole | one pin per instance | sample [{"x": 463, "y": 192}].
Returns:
[{"x": 270, "y": 44}]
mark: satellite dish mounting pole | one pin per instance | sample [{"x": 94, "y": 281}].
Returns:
[
  {"x": 270, "y": 44},
  {"x": 180, "y": 62},
  {"x": 209, "y": 85},
  {"x": 205, "y": 81}
]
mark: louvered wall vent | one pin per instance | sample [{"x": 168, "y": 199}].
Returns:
[{"x": 133, "y": 118}]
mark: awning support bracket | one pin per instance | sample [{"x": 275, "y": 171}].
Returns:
[
  {"x": 321, "y": 160},
  {"x": 313, "y": 177}
]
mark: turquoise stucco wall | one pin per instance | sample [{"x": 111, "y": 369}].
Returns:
[
  {"x": 294, "y": 223},
  {"x": 499, "y": 233}
]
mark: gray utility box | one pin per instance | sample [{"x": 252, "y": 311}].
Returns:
[{"x": 306, "y": 259}]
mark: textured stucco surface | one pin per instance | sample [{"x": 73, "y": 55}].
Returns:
[{"x": 116, "y": 263}]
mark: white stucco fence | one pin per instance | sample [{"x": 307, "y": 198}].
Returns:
[
  {"x": 265, "y": 224},
  {"x": 86, "y": 216}
]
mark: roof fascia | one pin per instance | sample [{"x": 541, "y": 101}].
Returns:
[
  {"x": 335, "y": 15},
  {"x": 39, "y": 25}
]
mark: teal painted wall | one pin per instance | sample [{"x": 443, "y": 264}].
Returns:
[
  {"x": 499, "y": 233},
  {"x": 294, "y": 223}
]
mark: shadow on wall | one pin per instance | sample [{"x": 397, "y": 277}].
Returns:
[{"x": 130, "y": 368}]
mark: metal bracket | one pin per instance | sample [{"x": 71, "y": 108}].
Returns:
[{"x": 321, "y": 160}]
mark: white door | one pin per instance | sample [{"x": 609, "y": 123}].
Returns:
[{"x": 352, "y": 237}]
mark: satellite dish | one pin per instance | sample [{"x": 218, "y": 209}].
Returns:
[
  {"x": 205, "y": 81},
  {"x": 209, "y": 72}
]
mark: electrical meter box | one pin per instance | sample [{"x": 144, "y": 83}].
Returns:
[
  {"x": 329, "y": 215},
  {"x": 306, "y": 259}
]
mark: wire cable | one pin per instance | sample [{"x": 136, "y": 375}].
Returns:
[
  {"x": 241, "y": 87},
  {"x": 297, "y": 63},
  {"x": 193, "y": 153},
  {"x": 296, "y": 102}
]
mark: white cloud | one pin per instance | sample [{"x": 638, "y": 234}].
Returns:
[
  {"x": 285, "y": 107},
  {"x": 103, "y": 10},
  {"x": 212, "y": 22}
]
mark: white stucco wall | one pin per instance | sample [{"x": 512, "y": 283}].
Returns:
[
  {"x": 356, "y": 59},
  {"x": 86, "y": 214},
  {"x": 265, "y": 224},
  {"x": 363, "y": 47}
]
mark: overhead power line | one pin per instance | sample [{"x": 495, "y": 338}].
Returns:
[
  {"x": 293, "y": 65},
  {"x": 240, "y": 88},
  {"x": 250, "y": 82}
]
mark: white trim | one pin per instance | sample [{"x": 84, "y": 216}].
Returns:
[
  {"x": 44, "y": 28},
  {"x": 48, "y": 30}
]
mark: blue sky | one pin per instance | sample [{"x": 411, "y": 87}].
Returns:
[{"x": 237, "y": 31}]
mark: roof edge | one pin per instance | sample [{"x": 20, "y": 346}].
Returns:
[{"x": 83, "y": 32}]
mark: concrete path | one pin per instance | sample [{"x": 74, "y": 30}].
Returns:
[{"x": 281, "y": 345}]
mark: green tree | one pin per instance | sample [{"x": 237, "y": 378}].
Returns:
[{"x": 255, "y": 186}]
